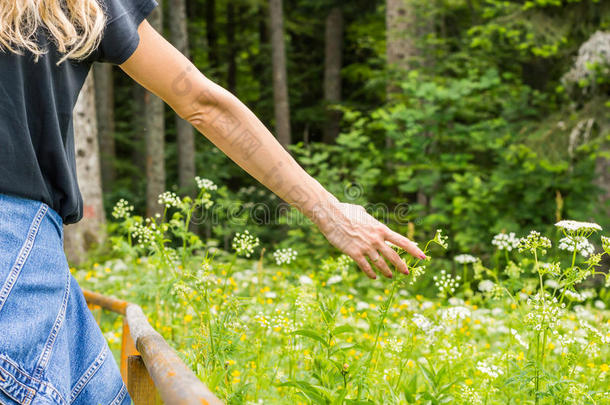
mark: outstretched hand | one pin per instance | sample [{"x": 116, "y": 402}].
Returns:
[{"x": 359, "y": 235}]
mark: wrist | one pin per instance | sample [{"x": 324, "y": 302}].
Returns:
[{"x": 325, "y": 211}]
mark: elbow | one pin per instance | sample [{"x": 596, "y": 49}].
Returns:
[{"x": 205, "y": 105}]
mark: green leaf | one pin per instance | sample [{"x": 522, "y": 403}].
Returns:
[
  {"x": 311, "y": 392},
  {"x": 342, "y": 346},
  {"x": 312, "y": 335},
  {"x": 342, "y": 329}
]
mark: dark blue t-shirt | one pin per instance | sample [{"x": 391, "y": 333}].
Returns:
[{"x": 36, "y": 104}]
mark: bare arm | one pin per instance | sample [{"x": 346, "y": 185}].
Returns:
[{"x": 235, "y": 130}]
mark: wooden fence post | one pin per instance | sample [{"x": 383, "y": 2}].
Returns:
[
  {"x": 128, "y": 348},
  {"x": 139, "y": 384}
]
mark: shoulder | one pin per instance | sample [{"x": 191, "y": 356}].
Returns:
[
  {"x": 120, "y": 37},
  {"x": 133, "y": 9}
]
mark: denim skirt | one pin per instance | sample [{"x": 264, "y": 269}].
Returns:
[{"x": 51, "y": 349}]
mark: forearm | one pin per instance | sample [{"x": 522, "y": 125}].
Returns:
[
  {"x": 231, "y": 126},
  {"x": 235, "y": 130}
]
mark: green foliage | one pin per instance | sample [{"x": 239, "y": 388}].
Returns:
[
  {"x": 307, "y": 331},
  {"x": 474, "y": 138}
]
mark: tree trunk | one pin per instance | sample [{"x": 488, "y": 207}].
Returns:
[
  {"x": 210, "y": 25},
  {"x": 333, "y": 60},
  {"x": 401, "y": 49},
  {"x": 90, "y": 230},
  {"x": 104, "y": 105},
  {"x": 184, "y": 131},
  {"x": 280, "y": 81},
  {"x": 155, "y": 137},
  {"x": 138, "y": 139},
  {"x": 402, "y": 52}
]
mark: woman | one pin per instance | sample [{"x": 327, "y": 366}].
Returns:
[{"x": 51, "y": 349}]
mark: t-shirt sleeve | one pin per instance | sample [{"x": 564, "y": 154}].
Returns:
[{"x": 120, "y": 38}]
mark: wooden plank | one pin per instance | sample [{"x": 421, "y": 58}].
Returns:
[
  {"x": 109, "y": 303},
  {"x": 128, "y": 348},
  {"x": 139, "y": 384}
]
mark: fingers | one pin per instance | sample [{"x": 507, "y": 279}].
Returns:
[
  {"x": 406, "y": 244},
  {"x": 394, "y": 258},
  {"x": 378, "y": 262},
  {"x": 365, "y": 266}
]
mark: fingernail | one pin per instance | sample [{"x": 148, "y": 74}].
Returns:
[{"x": 423, "y": 256}]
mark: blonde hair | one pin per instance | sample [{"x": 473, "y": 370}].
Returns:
[{"x": 74, "y": 26}]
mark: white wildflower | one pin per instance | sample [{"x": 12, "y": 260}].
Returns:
[
  {"x": 421, "y": 322},
  {"x": 284, "y": 256},
  {"x": 545, "y": 312},
  {"x": 497, "y": 312},
  {"x": 415, "y": 273},
  {"x": 449, "y": 353},
  {"x": 551, "y": 283},
  {"x": 490, "y": 370},
  {"x": 455, "y": 301},
  {"x": 244, "y": 243},
  {"x": 519, "y": 338},
  {"x": 446, "y": 283},
  {"x": 486, "y": 286},
  {"x": 470, "y": 396},
  {"x": 534, "y": 241},
  {"x": 205, "y": 184},
  {"x": 465, "y": 259},
  {"x": 361, "y": 306},
  {"x": 169, "y": 199},
  {"x": 425, "y": 325},
  {"x": 574, "y": 296},
  {"x": 606, "y": 243},
  {"x": 426, "y": 305},
  {"x": 454, "y": 313},
  {"x": 305, "y": 280},
  {"x": 146, "y": 234},
  {"x": 578, "y": 227},
  {"x": 440, "y": 239},
  {"x": 578, "y": 243},
  {"x": 334, "y": 280},
  {"x": 505, "y": 241},
  {"x": 599, "y": 304},
  {"x": 122, "y": 209}
]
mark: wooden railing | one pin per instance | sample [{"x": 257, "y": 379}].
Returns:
[{"x": 150, "y": 368}]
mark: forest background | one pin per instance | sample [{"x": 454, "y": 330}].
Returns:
[{"x": 472, "y": 116}]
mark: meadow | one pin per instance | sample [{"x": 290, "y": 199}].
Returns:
[{"x": 258, "y": 325}]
